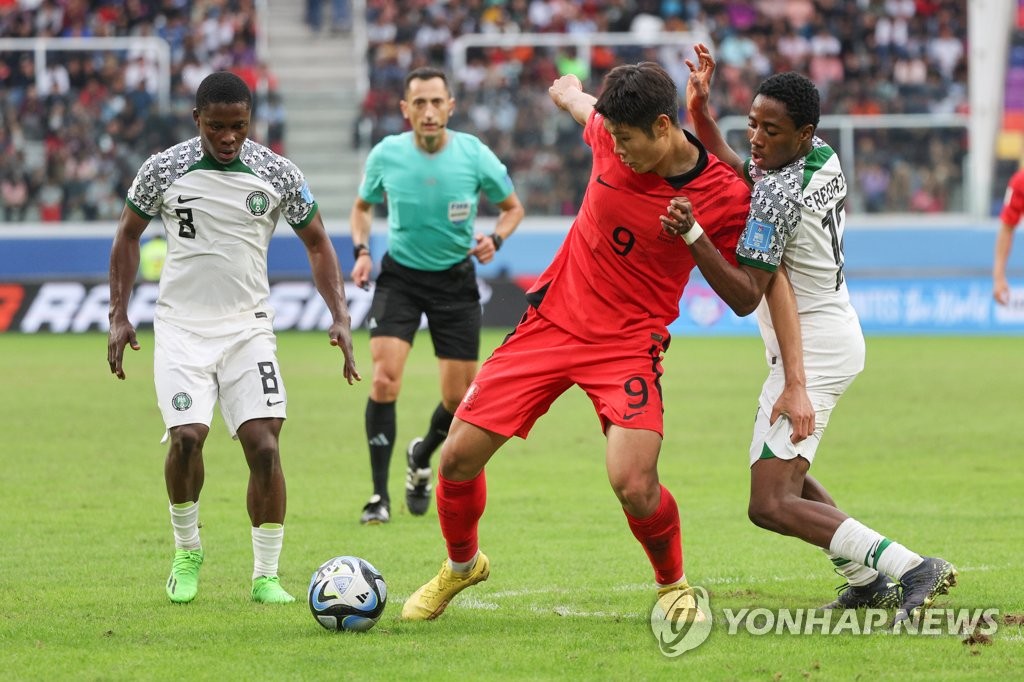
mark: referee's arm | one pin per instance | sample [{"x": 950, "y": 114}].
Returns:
[{"x": 360, "y": 220}]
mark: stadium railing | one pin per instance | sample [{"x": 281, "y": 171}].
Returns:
[
  {"x": 40, "y": 47},
  {"x": 844, "y": 133}
]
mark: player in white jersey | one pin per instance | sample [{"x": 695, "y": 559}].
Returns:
[
  {"x": 220, "y": 196},
  {"x": 791, "y": 270}
]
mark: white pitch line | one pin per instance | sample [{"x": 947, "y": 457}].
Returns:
[{"x": 489, "y": 604}]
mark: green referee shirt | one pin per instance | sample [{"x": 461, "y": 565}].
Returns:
[{"x": 432, "y": 198}]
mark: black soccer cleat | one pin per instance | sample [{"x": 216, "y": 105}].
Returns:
[
  {"x": 417, "y": 483},
  {"x": 882, "y": 593},
  {"x": 375, "y": 512},
  {"x": 922, "y": 584}
]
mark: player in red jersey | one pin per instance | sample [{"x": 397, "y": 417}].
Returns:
[
  {"x": 1013, "y": 208},
  {"x": 598, "y": 318}
]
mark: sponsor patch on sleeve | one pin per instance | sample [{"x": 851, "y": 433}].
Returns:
[
  {"x": 307, "y": 194},
  {"x": 758, "y": 235}
]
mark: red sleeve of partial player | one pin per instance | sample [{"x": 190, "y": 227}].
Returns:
[{"x": 1013, "y": 204}]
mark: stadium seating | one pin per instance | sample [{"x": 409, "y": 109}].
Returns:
[
  {"x": 897, "y": 56},
  {"x": 72, "y": 140}
]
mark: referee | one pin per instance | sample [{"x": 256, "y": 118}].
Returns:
[{"x": 432, "y": 178}]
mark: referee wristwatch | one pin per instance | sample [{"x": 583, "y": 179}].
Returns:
[
  {"x": 498, "y": 241},
  {"x": 358, "y": 250}
]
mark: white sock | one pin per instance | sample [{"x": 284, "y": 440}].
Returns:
[
  {"x": 856, "y": 574},
  {"x": 266, "y": 549},
  {"x": 185, "y": 521},
  {"x": 856, "y": 542},
  {"x": 463, "y": 567}
]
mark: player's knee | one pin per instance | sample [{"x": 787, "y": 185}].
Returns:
[
  {"x": 765, "y": 513},
  {"x": 637, "y": 495},
  {"x": 187, "y": 441},
  {"x": 456, "y": 462},
  {"x": 264, "y": 456},
  {"x": 385, "y": 389}
]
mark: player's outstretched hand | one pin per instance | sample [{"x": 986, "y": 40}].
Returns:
[
  {"x": 698, "y": 87},
  {"x": 795, "y": 404},
  {"x": 121, "y": 334},
  {"x": 341, "y": 336}
]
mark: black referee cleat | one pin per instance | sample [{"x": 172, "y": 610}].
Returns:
[{"x": 417, "y": 483}]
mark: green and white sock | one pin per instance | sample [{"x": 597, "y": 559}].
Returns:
[
  {"x": 856, "y": 542},
  {"x": 185, "y": 521},
  {"x": 856, "y": 574},
  {"x": 266, "y": 549}
]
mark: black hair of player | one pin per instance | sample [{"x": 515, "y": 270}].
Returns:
[
  {"x": 798, "y": 93},
  {"x": 425, "y": 73},
  {"x": 222, "y": 87},
  {"x": 637, "y": 94}
]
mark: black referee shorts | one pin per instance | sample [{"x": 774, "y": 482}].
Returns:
[{"x": 449, "y": 298}]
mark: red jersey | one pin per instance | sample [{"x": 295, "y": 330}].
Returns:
[
  {"x": 1013, "y": 204},
  {"x": 618, "y": 272}
]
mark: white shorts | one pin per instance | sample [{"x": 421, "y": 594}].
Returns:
[
  {"x": 773, "y": 440},
  {"x": 194, "y": 372}
]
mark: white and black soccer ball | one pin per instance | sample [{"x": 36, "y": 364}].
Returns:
[{"x": 347, "y": 593}]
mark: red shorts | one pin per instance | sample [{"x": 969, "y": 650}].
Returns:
[{"x": 539, "y": 361}]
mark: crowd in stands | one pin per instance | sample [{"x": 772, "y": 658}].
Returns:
[
  {"x": 866, "y": 56},
  {"x": 73, "y": 137}
]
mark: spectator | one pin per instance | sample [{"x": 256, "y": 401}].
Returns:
[
  {"x": 78, "y": 132},
  {"x": 891, "y": 56},
  {"x": 14, "y": 192}
]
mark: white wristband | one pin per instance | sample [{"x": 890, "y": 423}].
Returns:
[{"x": 693, "y": 234}]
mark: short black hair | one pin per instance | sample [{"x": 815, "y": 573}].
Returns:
[
  {"x": 637, "y": 94},
  {"x": 222, "y": 87},
  {"x": 798, "y": 93},
  {"x": 425, "y": 73}
]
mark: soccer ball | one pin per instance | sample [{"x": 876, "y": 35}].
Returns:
[{"x": 347, "y": 593}]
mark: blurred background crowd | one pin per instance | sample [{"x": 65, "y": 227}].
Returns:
[
  {"x": 72, "y": 138},
  {"x": 866, "y": 56}
]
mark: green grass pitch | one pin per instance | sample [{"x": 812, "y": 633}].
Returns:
[{"x": 926, "y": 447}]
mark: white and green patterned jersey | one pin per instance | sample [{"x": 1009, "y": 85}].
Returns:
[
  {"x": 797, "y": 217},
  {"x": 218, "y": 220},
  {"x": 432, "y": 198}
]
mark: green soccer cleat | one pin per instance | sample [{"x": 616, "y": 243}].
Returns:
[
  {"x": 267, "y": 590},
  {"x": 183, "y": 583},
  {"x": 429, "y": 602}
]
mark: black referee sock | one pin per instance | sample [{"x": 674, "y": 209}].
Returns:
[
  {"x": 380, "y": 436},
  {"x": 440, "y": 422}
]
